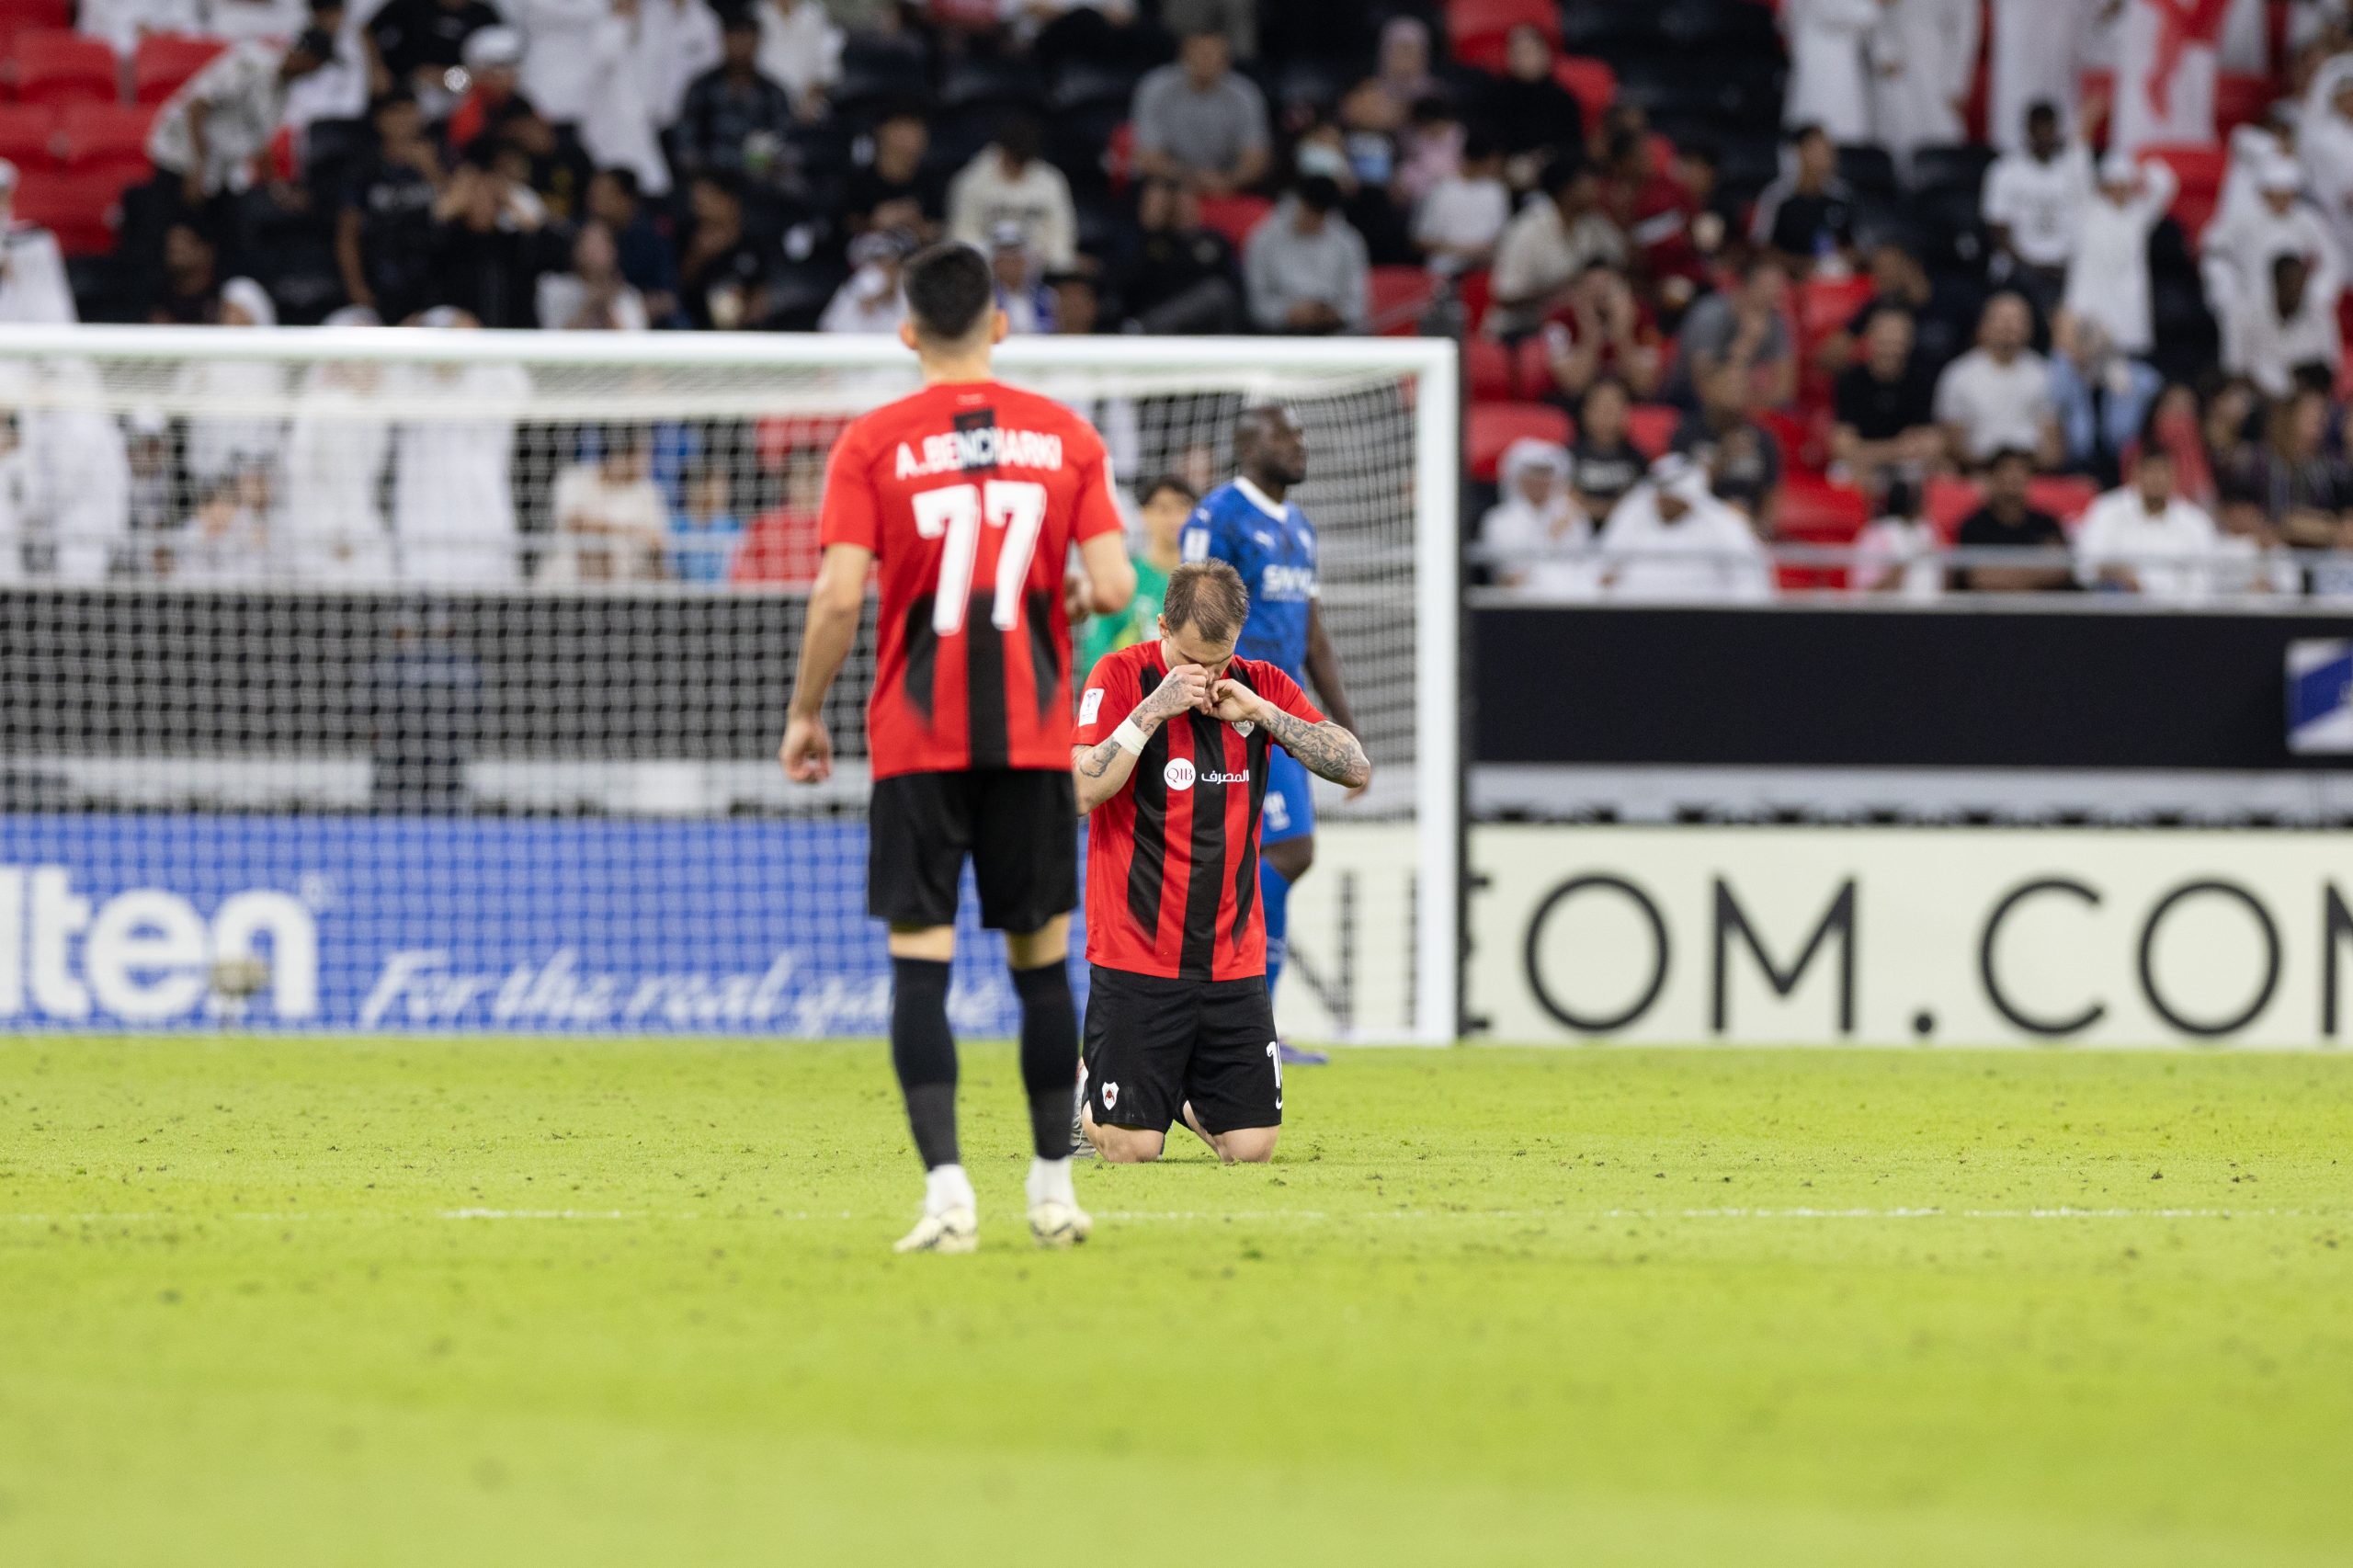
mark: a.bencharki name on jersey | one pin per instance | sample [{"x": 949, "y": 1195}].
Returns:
[{"x": 984, "y": 446}]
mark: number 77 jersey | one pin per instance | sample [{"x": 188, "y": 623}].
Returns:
[{"x": 969, "y": 494}]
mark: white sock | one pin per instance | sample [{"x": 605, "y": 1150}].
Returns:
[
  {"x": 945, "y": 1187},
  {"x": 1050, "y": 1183}
]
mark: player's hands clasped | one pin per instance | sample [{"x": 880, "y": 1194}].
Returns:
[
  {"x": 1235, "y": 703},
  {"x": 807, "y": 753},
  {"x": 1186, "y": 685}
]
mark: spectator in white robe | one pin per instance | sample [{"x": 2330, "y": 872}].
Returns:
[
  {"x": 338, "y": 88},
  {"x": 2254, "y": 150},
  {"x": 16, "y": 480},
  {"x": 1671, "y": 540},
  {"x": 33, "y": 286},
  {"x": 2167, "y": 63},
  {"x": 255, "y": 21},
  {"x": 618, "y": 127},
  {"x": 1901, "y": 553},
  {"x": 801, "y": 49},
  {"x": 2237, "y": 250},
  {"x": 679, "y": 40},
  {"x": 1829, "y": 78},
  {"x": 2285, "y": 332},
  {"x": 1924, "y": 60},
  {"x": 2108, "y": 279},
  {"x": 331, "y": 530},
  {"x": 2143, "y": 537},
  {"x": 81, "y": 473},
  {"x": 1541, "y": 538},
  {"x": 453, "y": 499},
  {"x": 2246, "y": 39},
  {"x": 869, "y": 300},
  {"x": 2036, "y": 56},
  {"x": 122, "y": 23},
  {"x": 2324, "y": 147},
  {"x": 249, "y": 432},
  {"x": 562, "y": 62}
]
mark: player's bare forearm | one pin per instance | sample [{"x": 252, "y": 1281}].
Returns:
[
  {"x": 824, "y": 648},
  {"x": 1324, "y": 670},
  {"x": 1328, "y": 750},
  {"x": 1102, "y": 770}
]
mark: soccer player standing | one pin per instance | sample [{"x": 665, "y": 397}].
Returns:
[
  {"x": 1251, "y": 524},
  {"x": 1171, "y": 760},
  {"x": 968, "y": 495}
]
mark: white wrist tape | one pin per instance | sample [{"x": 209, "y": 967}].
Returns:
[{"x": 1130, "y": 737}]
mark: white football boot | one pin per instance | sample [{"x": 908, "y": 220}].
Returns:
[
  {"x": 1056, "y": 1223},
  {"x": 954, "y": 1229}
]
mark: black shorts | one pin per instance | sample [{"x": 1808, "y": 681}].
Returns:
[
  {"x": 1018, "y": 825},
  {"x": 1152, "y": 1044}
]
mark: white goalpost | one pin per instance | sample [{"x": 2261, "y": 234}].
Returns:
[{"x": 388, "y": 679}]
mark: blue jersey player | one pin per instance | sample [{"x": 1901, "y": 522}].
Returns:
[{"x": 1270, "y": 541}]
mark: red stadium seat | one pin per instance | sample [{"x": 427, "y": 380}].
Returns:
[
  {"x": 1476, "y": 30},
  {"x": 164, "y": 60},
  {"x": 1476, "y": 291},
  {"x": 65, "y": 67},
  {"x": 29, "y": 135},
  {"x": 1949, "y": 501},
  {"x": 779, "y": 547},
  {"x": 2066, "y": 496},
  {"x": 1532, "y": 368},
  {"x": 1651, "y": 426},
  {"x": 2200, "y": 170},
  {"x": 1593, "y": 81},
  {"x": 1825, "y": 305},
  {"x": 83, "y": 210},
  {"x": 32, "y": 16},
  {"x": 1234, "y": 216},
  {"x": 1487, "y": 371},
  {"x": 1398, "y": 297},
  {"x": 1495, "y": 426},
  {"x": 107, "y": 136}
]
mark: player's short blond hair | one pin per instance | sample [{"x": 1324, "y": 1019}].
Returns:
[{"x": 1209, "y": 595}]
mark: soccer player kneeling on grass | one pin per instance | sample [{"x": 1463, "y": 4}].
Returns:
[{"x": 1170, "y": 762}]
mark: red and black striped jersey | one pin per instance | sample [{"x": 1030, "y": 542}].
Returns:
[
  {"x": 1172, "y": 860},
  {"x": 971, "y": 495}
]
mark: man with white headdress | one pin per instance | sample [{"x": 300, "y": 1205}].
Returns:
[
  {"x": 2238, "y": 248},
  {"x": 33, "y": 268},
  {"x": 2168, "y": 60},
  {"x": 247, "y": 434},
  {"x": 1541, "y": 540},
  {"x": 82, "y": 473},
  {"x": 330, "y": 528},
  {"x": 1670, "y": 538},
  {"x": 2036, "y": 57},
  {"x": 1829, "y": 79},
  {"x": 1923, "y": 61},
  {"x": 2108, "y": 279},
  {"x": 453, "y": 499},
  {"x": 2324, "y": 147}
]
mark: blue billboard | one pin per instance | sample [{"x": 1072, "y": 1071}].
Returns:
[{"x": 455, "y": 925}]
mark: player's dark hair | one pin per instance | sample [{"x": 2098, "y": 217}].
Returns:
[
  {"x": 1209, "y": 596},
  {"x": 948, "y": 291}
]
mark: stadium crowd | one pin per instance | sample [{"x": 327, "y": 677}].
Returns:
[{"x": 1752, "y": 297}]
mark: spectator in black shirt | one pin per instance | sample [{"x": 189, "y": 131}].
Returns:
[
  {"x": 188, "y": 294},
  {"x": 2007, "y": 522},
  {"x": 892, "y": 191},
  {"x": 723, "y": 273},
  {"x": 384, "y": 231},
  {"x": 1603, "y": 462},
  {"x": 1529, "y": 110},
  {"x": 1743, "y": 459},
  {"x": 648, "y": 261},
  {"x": 1886, "y": 405},
  {"x": 421, "y": 41},
  {"x": 490, "y": 245},
  {"x": 735, "y": 120},
  {"x": 1182, "y": 278},
  {"x": 1808, "y": 211},
  {"x": 543, "y": 156}
]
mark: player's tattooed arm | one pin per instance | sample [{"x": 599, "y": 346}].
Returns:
[
  {"x": 1326, "y": 750},
  {"x": 1102, "y": 770}
]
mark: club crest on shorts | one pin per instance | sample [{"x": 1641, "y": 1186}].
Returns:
[
  {"x": 1178, "y": 774},
  {"x": 1111, "y": 1095}
]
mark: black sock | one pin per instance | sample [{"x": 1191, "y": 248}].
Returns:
[
  {"x": 1048, "y": 1056},
  {"x": 924, "y": 1051}
]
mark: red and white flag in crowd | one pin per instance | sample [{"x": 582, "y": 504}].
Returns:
[{"x": 2168, "y": 54}]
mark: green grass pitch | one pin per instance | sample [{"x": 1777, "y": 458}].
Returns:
[{"x": 310, "y": 1303}]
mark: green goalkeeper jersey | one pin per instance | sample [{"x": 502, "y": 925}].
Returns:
[{"x": 1108, "y": 633}]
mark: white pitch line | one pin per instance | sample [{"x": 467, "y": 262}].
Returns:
[{"x": 1206, "y": 1216}]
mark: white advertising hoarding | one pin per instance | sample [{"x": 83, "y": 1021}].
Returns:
[{"x": 1959, "y": 935}]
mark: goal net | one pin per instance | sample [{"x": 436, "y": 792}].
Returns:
[{"x": 431, "y": 679}]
